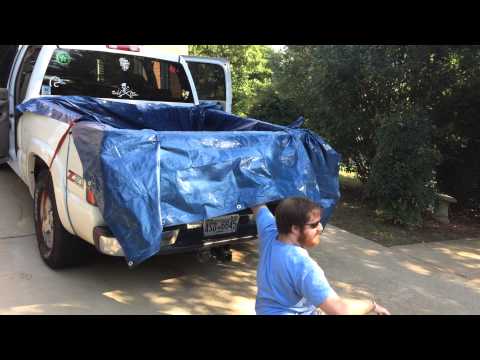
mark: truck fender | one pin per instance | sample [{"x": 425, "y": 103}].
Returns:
[{"x": 40, "y": 155}]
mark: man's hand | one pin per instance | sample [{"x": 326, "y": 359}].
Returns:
[
  {"x": 380, "y": 310},
  {"x": 256, "y": 209}
]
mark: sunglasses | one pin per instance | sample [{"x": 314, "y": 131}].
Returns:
[{"x": 315, "y": 225}]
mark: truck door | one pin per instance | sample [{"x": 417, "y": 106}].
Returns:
[
  {"x": 20, "y": 80},
  {"x": 212, "y": 80},
  {"x": 7, "y": 55}
]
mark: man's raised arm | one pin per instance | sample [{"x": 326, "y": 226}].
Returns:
[{"x": 256, "y": 209}]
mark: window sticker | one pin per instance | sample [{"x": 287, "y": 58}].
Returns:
[
  {"x": 55, "y": 81},
  {"x": 63, "y": 57},
  {"x": 124, "y": 91},
  {"x": 185, "y": 94},
  {"x": 46, "y": 90},
  {"x": 124, "y": 64}
]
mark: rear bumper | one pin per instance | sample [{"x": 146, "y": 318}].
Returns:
[
  {"x": 205, "y": 245},
  {"x": 181, "y": 239}
]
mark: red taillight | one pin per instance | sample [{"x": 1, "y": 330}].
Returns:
[
  {"x": 125, "y": 47},
  {"x": 91, "y": 197}
]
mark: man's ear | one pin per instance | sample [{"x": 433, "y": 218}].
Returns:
[{"x": 295, "y": 229}]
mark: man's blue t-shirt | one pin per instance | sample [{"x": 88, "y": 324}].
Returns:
[{"x": 289, "y": 281}]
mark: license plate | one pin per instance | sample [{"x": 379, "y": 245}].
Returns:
[{"x": 221, "y": 225}]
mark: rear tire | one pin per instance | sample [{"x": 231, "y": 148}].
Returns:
[{"x": 58, "y": 248}]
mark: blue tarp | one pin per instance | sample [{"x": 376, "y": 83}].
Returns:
[{"x": 156, "y": 165}]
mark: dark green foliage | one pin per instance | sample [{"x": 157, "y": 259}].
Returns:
[
  {"x": 348, "y": 94},
  {"x": 458, "y": 138},
  {"x": 402, "y": 179},
  {"x": 272, "y": 108}
]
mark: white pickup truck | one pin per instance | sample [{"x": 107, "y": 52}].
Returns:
[{"x": 66, "y": 217}]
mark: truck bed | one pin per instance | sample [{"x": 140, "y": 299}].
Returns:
[{"x": 154, "y": 166}]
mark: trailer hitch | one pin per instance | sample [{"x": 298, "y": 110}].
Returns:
[{"x": 217, "y": 254}]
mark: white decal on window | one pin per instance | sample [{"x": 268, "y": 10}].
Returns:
[
  {"x": 124, "y": 64},
  {"x": 56, "y": 81},
  {"x": 124, "y": 91}
]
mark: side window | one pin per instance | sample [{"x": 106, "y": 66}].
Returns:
[
  {"x": 25, "y": 73},
  {"x": 209, "y": 80}
]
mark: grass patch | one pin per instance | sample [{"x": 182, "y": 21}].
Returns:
[
  {"x": 349, "y": 180},
  {"x": 358, "y": 217}
]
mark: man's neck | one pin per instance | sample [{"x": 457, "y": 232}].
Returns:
[{"x": 288, "y": 239}]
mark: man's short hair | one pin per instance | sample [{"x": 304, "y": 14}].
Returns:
[{"x": 294, "y": 211}]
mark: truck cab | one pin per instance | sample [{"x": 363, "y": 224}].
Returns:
[{"x": 31, "y": 144}]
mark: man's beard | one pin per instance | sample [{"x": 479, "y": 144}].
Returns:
[{"x": 302, "y": 238}]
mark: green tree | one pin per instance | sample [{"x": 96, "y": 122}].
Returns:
[
  {"x": 250, "y": 71},
  {"x": 270, "y": 104},
  {"x": 353, "y": 95},
  {"x": 402, "y": 180}
]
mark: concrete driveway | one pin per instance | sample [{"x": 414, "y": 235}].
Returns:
[
  {"x": 437, "y": 278},
  {"x": 428, "y": 278}
]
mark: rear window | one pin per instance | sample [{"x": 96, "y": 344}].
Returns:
[{"x": 115, "y": 76}]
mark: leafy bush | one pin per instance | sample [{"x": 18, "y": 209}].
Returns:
[
  {"x": 402, "y": 177},
  {"x": 270, "y": 107},
  {"x": 344, "y": 92},
  {"x": 458, "y": 138}
]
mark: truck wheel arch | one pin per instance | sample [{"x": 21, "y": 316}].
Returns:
[{"x": 38, "y": 164}]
